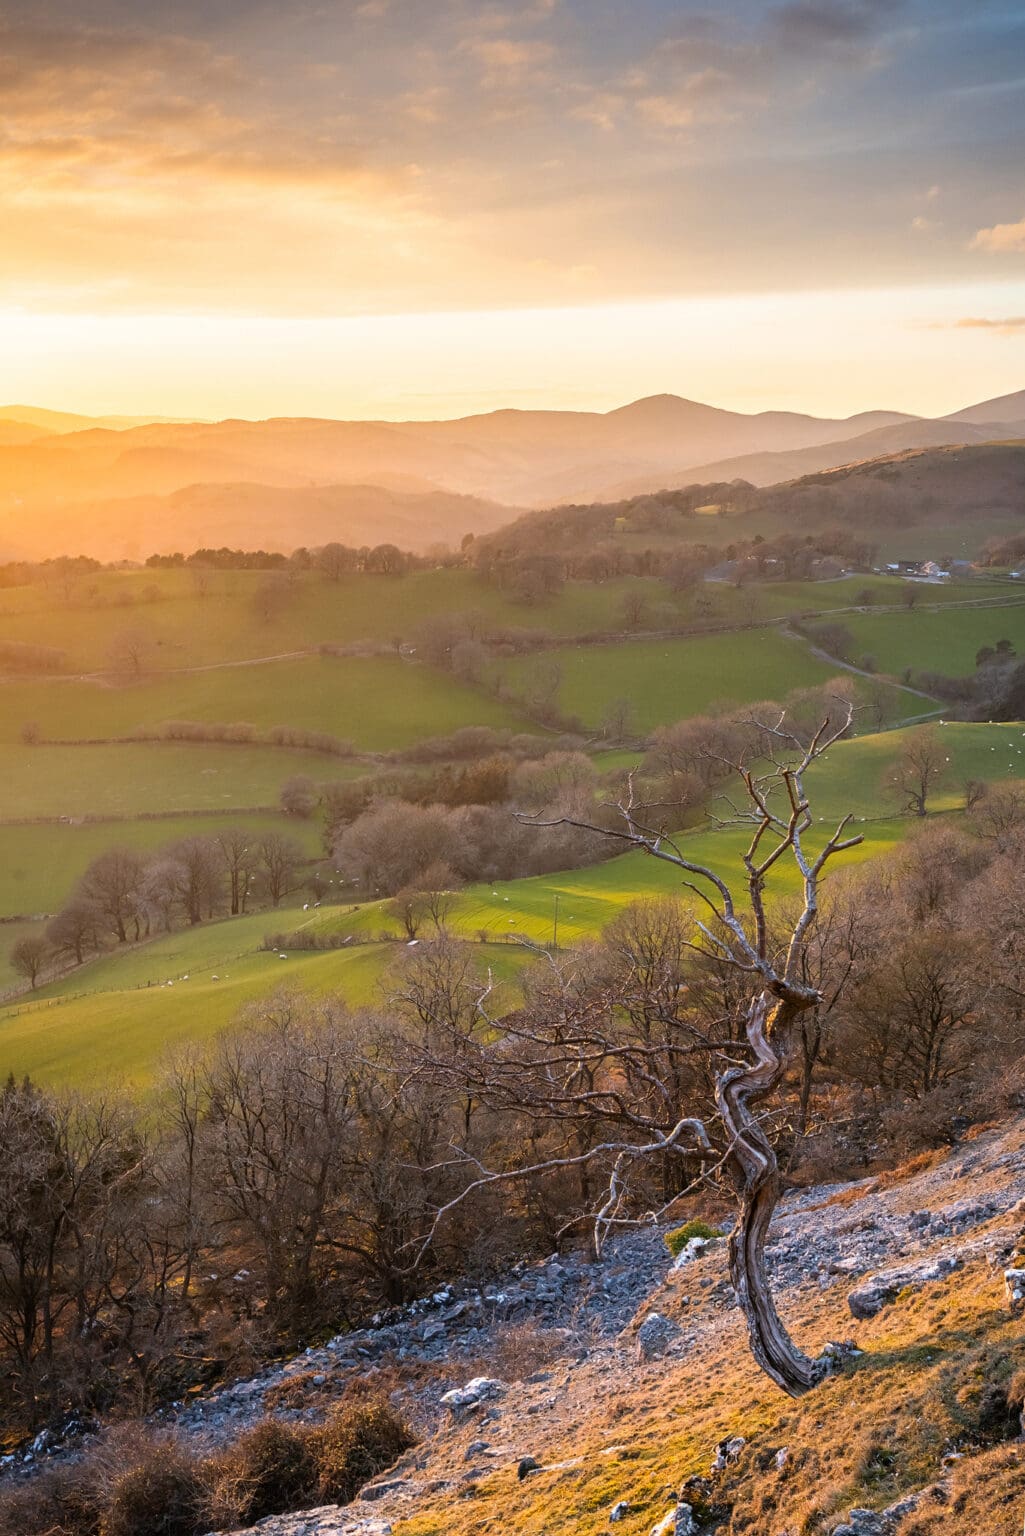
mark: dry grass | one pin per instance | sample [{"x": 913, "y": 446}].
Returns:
[
  {"x": 521, "y": 1349},
  {"x": 938, "y": 1365}
]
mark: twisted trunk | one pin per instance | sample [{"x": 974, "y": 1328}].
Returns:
[{"x": 754, "y": 1162}]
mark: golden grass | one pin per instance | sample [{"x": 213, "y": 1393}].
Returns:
[{"x": 621, "y": 1431}]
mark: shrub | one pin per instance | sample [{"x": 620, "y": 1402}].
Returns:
[
  {"x": 268, "y": 1471},
  {"x": 677, "y": 1241},
  {"x": 357, "y": 1442},
  {"x": 520, "y": 1349},
  {"x": 159, "y": 1493}
]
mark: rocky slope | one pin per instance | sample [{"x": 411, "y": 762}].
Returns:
[{"x": 577, "y": 1395}]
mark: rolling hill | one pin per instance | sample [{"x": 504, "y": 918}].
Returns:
[
  {"x": 106, "y": 477},
  {"x": 914, "y": 500}
]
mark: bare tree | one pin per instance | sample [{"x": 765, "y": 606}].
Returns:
[
  {"x": 111, "y": 886},
  {"x": 74, "y": 930},
  {"x": 750, "y": 1062},
  {"x": 29, "y": 957},
  {"x": 280, "y": 859},
  {"x": 130, "y": 650},
  {"x": 999, "y": 815},
  {"x": 240, "y": 856},
  {"x": 920, "y": 766},
  {"x": 334, "y": 560}
]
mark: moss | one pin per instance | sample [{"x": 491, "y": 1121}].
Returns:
[{"x": 677, "y": 1240}]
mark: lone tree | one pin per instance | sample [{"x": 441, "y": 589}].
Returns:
[
  {"x": 29, "y": 957},
  {"x": 921, "y": 765},
  {"x": 570, "y": 1067}
]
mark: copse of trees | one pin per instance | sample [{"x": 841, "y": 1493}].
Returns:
[
  {"x": 125, "y": 896},
  {"x": 393, "y": 845}
]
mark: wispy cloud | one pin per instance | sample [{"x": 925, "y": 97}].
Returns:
[
  {"x": 1008, "y": 325},
  {"x": 1001, "y": 239}
]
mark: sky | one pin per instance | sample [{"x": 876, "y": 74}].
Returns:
[{"x": 410, "y": 208}]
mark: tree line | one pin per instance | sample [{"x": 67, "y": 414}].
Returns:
[{"x": 125, "y": 895}]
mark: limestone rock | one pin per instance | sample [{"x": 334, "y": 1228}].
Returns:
[
  {"x": 478, "y": 1390},
  {"x": 878, "y": 1291},
  {"x": 679, "y": 1522},
  {"x": 655, "y": 1335}
]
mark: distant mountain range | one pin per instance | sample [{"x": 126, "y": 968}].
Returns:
[{"x": 122, "y": 487}]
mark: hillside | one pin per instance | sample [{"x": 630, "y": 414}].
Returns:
[
  {"x": 956, "y": 495},
  {"x": 110, "y": 472},
  {"x": 770, "y": 468},
  {"x": 265, "y": 516},
  {"x": 619, "y": 1391}
]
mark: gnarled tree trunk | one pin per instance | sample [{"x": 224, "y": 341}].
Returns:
[{"x": 754, "y": 1161}]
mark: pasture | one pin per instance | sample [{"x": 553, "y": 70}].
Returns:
[
  {"x": 192, "y": 618},
  {"x": 131, "y": 1011},
  {"x": 379, "y": 703},
  {"x": 133, "y": 778},
  {"x": 667, "y": 680},
  {"x": 935, "y": 642}
]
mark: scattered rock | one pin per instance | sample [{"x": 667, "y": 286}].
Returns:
[
  {"x": 692, "y": 1249},
  {"x": 329, "y": 1520},
  {"x": 884, "y": 1522},
  {"x": 527, "y": 1466},
  {"x": 618, "y": 1512}
]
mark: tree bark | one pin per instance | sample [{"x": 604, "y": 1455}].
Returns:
[{"x": 754, "y": 1161}]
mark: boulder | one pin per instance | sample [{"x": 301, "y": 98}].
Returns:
[
  {"x": 478, "y": 1390},
  {"x": 878, "y": 1291},
  {"x": 727, "y": 1451},
  {"x": 679, "y": 1522},
  {"x": 1014, "y": 1280},
  {"x": 655, "y": 1335}
]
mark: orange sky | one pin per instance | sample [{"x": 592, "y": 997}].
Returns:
[{"x": 420, "y": 207}]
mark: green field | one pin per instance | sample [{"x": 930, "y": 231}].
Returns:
[
  {"x": 935, "y": 642},
  {"x": 130, "y": 1011},
  {"x": 124, "y": 780},
  {"x": 667, "y": 680},
  {"x": 187, "y": 619},
  {"x": 379, "y": 703},
  {"x": 186, "y": 627},
  {"x": 118, "y": 1012}
]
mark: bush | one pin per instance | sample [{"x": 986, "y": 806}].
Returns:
[
  {"x": 358, "y": 1441},
  {"x": 268, "y": 1471},
  {"x": 677, "y": 1241},
  {"x": 160, "y": 1493}
]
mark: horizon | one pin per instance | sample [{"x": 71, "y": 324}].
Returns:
[{"x": 142, "y": 417}]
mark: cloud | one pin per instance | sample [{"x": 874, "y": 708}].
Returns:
[
  {"x": 812, "y": 25},
  {"x": 507, "y": 60},
  {"x": 1009, "y": 325},
  {"x": 1001, "y": 239}
]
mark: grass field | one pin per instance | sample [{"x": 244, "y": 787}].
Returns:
[
  {"x": 666, "y": 680},
  {"x": 935, "y": 642},
  {"x": 183, "y": 990},
  {"x": 379, "y": 703},
  {"x": 119, "y": 1014},
  {"x": 187, "y": 620},
  {"x": 124, "y": 780}
]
